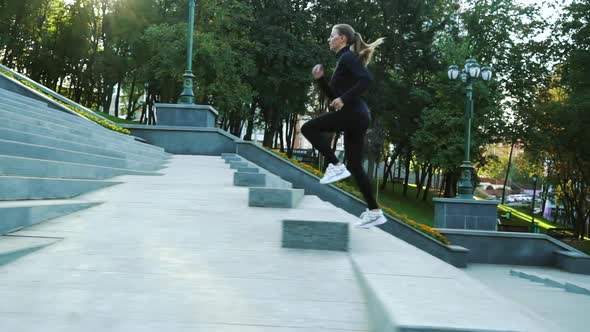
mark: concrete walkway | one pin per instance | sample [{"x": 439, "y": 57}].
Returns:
[
  {"x": 184, "y": 252},
  {"x": 565, "y": 309},
  {"x": 180, "y": 252}
]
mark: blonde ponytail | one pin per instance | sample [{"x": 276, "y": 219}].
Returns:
[
  {"x": 363, "y": 50},
  {"x": 356, "y": 43}
]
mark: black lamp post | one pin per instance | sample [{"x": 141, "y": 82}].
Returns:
[
  {"x": 470, "y": 73},
  {"x": 188, "y": 96}
]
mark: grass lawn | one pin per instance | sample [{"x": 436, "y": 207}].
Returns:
[
  {"x": 583, "y": 246},
  {"x": 115, "y": 119},
  {"x": 418, "y": 210}
]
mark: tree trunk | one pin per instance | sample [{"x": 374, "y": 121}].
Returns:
[
  {"x": 291, "y": 133},
  {"x": 143, "y": 117},
  {"x": 407, "y": 176},
  {"x": 108, "y": 99},
  {"x": 450, "y": 185},
  {"x": 425, "y": 172},
  {"x": 130, "y": 102},
  {"x": 507, "y": 171},
  {"x": 117, "y": 99},
  {"x": 428, "y": 183},
  {"x": 250, "y": 128},
  {"x": 270, "y": 130},
  {"x": 387, "y": 170},
  {"x": 281, "y": 139}
]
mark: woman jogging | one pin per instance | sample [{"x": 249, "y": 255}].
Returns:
[{"x": 350, "y": 79}]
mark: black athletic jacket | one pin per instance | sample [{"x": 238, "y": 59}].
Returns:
[{"x": 351, "y": 78}]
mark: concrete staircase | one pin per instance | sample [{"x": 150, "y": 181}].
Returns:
[
  {"x": 204, "y": 259},
  {"x": 48, "y": 157}
]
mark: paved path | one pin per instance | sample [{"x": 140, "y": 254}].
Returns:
[
  {"x": 184, "y": 252},
  {"x": 180, "y": 252},
  {"x": 567, "y": 310}
]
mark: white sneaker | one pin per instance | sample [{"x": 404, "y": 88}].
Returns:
[
  {"x": 370, "y": 219},
  {"x": 335, "y": 173}
]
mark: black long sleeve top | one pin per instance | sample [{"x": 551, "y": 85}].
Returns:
[{"x": 351, "y": 78}]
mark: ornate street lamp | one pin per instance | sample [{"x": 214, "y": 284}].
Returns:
[
  {"x": 471, "y": 72},
  {"x": 187, "y": 96}
]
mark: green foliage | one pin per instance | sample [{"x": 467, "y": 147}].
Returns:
[{"x": 252, "y": 61}]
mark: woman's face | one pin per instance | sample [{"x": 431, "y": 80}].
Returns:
[{"x": 336, "y": 40}]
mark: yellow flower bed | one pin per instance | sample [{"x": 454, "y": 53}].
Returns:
[
  {"x": 90, "y": 117},
  {"x": 401, "y": 217}
]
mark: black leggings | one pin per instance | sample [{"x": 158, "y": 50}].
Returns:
[{"x": 354, "y": 123}]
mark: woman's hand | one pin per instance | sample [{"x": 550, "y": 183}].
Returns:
[
  {"x": 337, "y": 104},
  {"x": 318, "y": 72}
]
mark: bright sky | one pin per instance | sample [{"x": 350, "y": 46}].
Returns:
[{"x": 547, "y": 10}]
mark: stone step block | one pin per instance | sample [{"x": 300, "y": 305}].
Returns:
[
  {"x": 14, "y": 216},
  {"x": 18, "y": 149},
  {"x": 100, "y": 135},
  {"x": 42, "y": 108},
  {"x": 46, "y": 110},
  {"x": 274, "y": 197},
  {"x": 15, "y": 96},
  {"x": 249, "y": 179},
  {"x": 15, "y": 247},
  {"x": 27, "y": 188},
  {"x": 249, "y": 169},
  {"x": 238, "y": 164},
  {"x": 34, "y": 138},
  {"x": 266, "y": 180},
  {"x": 31, "y": 167},
  {"x": 230, "y": 160},
  {"x": 134, "y": 150},
  {"x": 316, "y": 235},
  {"x": 90, "y": 128}
]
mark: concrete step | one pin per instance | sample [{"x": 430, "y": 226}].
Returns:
[
  {"x": 410, "y": 290},
  {"x": 274, "y": 197},
  {"x": 134, "y": 149},
  {"x": 265, "y": 180},
  {"x": 30, "y": 167},
  {"x": 60, "y": 118},
  {"x": 18, "y": 149},
  {"x": 315, "y": 234},
  {"x": 14, "y": 188},
  {"x": 152, "y": 149},
  {"x": 63, "y": 119},
  {"x": 29, "y": 138},
  {"x": 18, "y": 215},
  {"x": 250, "y": 169},
  {"x": 15, "y": 247},
  {"x": 18, "y": 97},
  {"x": 239, "y": 164},
  {"x": 101, "y": 135},
  {"x": 251, "y": 175},
  {"x": 45, "y": 110},
  {"x": 566, "y": 309},
  {"x": 562, "y": 281}
]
